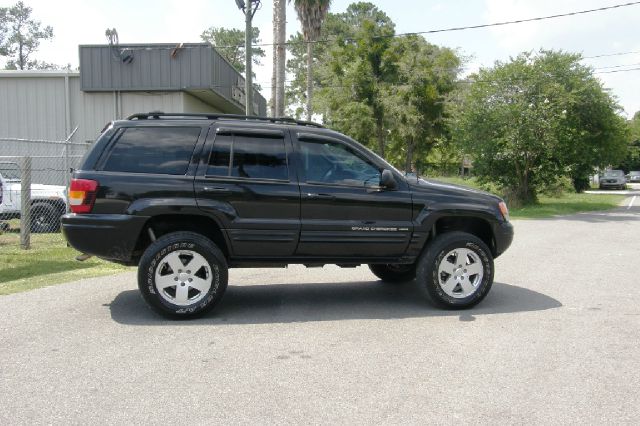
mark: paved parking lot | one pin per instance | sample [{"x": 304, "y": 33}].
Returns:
[{"x": 557, "y": 340}]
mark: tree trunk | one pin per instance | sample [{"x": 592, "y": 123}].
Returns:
[
  {"x": 21, "y": 58},
  {"x": 274, "y": 70},
  {"x": 380, "y": 135},
  {"x": 281, "y": 55},
  {"x": 309, "y": 80},
  {"x": 409, "y": 165}
]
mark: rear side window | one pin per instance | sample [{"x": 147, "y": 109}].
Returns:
[
  {"x": 161, "y": 150},
  {"x": 251, "y": 157}
]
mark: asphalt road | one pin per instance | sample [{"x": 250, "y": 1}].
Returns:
[{"x": 556, "y": 341}]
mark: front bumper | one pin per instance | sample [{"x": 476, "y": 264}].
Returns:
[
  {"x": 503, "y": 234},
  {"x": 108, "y": 236},
  {"x": 614, "y": 184}
]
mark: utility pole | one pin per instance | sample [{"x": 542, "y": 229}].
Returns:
[{"x": 249, "y": 9}]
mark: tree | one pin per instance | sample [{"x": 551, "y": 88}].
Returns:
[
  {"x": 279, "y": 58},
  {"x": 426, "y": 74},
  {"x": 354, "y": 71},
  {"x": 22, "y": 35},
  {"x": 535, "y": 118},
  {"x": 38, "y": 65},
  {"x": 311, "y": 14},
  {"x": 3, "y": 30},
  {"x": 229, "y": 42},
  {"x": 632, "y": 157}
]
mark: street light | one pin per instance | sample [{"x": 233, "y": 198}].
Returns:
[{"x": 249, "y": 9}]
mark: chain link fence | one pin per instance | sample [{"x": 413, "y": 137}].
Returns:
[{"x": 34, "y": 179}]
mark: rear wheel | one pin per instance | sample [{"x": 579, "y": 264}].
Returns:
[
  {"x": 393, "y": 273},
  {"x": 45, "y": 217},
  {"x": 182, "y": 275},
  {"x": 456, "y": 270}
]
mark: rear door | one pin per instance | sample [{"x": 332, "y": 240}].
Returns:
[
  {"x": 344, "y": 212},
  {"x": 246, "y": 184}
]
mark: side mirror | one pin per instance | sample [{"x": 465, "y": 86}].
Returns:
[{"x": 387, "y": 180}]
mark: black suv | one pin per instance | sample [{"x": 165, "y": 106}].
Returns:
[{"x": 187, "y": 196}]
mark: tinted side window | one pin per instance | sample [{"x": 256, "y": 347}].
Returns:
[
  {"x": 163, "y": 150},
  {"x": 251, "y": 157},
  {"x": 334, "y": 163}
]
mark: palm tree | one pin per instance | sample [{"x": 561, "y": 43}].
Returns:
[
  {"x": 311, "y": 14},
  {"x": 279, "y": 57}
]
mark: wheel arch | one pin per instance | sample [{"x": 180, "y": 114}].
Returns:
[
  {"x": 474, "y": 225},
  {"x": 167, "y": 223}
]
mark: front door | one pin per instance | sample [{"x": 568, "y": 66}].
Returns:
[{"x": 344, "y": 211}]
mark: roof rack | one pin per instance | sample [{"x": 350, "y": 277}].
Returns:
[{"x": 177, "y": 115}]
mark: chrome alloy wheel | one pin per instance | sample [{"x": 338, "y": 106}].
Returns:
[
  {"x": 460, "y": 273},
  {"x": 183, "y": 277}
]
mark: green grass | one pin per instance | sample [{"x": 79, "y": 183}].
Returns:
[
  {"x": 548, "y": 206},
  {"x": 48, "y": 262},
  {"x": 568, "y": 203}
]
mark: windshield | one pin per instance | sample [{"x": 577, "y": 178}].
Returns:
[
  {"x": 10, "y": 171},
  {"x": 635, "y": 173},
  {"x": 613, "y": 173}
]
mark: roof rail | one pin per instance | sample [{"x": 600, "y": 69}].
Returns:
[{"x": 184, "y": 115}]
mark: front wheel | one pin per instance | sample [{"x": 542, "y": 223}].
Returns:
[
  {"x": 456, "y": 270},
  {"x": 394, "y": 273},
  {"x": 182, "y": 275}
]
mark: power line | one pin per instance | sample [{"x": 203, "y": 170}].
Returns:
[
  {"x": 611, "y": 72},
  {"x": 604, "y": 55},
  {"x": 461, "y": 28},
  {"x": 617, "y": 66}
]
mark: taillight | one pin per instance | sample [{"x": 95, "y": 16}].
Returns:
[{"x": 82, "y": 195}]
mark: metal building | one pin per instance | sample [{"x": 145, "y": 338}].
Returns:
[
  {"x": 115, "y": 82},
  {"x": 39, "y": 110}
]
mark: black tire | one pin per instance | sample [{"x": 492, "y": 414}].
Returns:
[
  {"x": 186, "y": 243},
  {"x": 428, "y": 279},
  {"x": 45, "y": 217},
  {"x": 394, "y": 273}
]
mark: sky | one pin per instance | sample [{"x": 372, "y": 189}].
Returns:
[{"x": 172, "y": 21}]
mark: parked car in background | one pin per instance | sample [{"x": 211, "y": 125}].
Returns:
[
  {"x": 613, "y": 179},
  {"x": 48, "y": 202},
  {"x": 634, "y": 176}
]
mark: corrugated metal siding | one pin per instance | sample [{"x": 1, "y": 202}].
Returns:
[
  {"x": 145, "y": 102},
  {"x": 193, "y": 104},
  {"x": 32, "y": 108},
  {"x": 195, "y": 66},
  {"x": 89, "y": 111},
  {"x": 152, "y": 67}
]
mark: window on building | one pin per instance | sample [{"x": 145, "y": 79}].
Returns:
[{"x": 162, "y": 150}]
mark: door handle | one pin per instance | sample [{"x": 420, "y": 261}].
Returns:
[
  {"x": 311, "y": 196},
  {"x": 217, "y": 189}
]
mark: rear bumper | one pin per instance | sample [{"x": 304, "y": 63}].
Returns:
[
  {"x": 109, "y": 236},
  {"x": 503, "y": 234}
]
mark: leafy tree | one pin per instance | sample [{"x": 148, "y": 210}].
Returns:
[
  {"x": 535, "y": 118},
  {"x": 20, "y": 35},
  {"x": 229, "y": 42},
  {"x": 311, "y": 14},
  {"x": 3, "y": 30},
  {"x": 632, "y": 158},
  {"x": 354, "y": 72},
  {"x": 39, "y": 65},
  {"x": 426, "y": 74}
]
